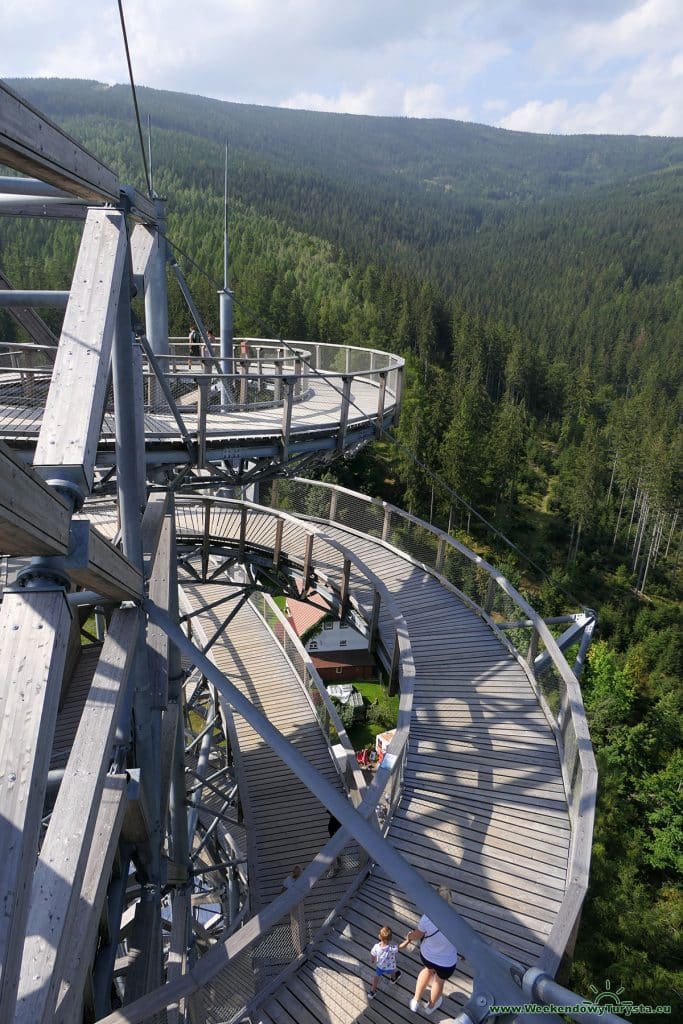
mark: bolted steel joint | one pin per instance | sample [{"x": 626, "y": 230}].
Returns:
[{"x": 47, "y": 573}]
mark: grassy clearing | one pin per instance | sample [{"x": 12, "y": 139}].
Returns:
[{"x": 381, "y": 714}]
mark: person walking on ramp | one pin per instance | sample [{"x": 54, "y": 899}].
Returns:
[
  {"x": 383, "y": 955},
  {"x": 438, "y": 955}
]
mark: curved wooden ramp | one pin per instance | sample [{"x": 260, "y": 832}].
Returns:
[
  {"x": 286, "y": 825},
  {"x": 483, "y": 807}
]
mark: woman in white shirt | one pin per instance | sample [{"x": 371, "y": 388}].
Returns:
[{"x": 438, "y": 955}]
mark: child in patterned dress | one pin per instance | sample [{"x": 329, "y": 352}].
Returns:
[{"x": 383, "y": 955}]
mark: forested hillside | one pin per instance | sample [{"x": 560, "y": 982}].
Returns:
[{"x": 535, "y": 286}]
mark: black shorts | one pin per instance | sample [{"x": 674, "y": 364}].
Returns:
[{"x": 442, "y": 972}]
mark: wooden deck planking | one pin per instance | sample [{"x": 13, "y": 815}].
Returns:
[
  {"x": 483, "y": 803},
  {"x": 317, "y": 414},
  {"x": 251, "y": 660}
]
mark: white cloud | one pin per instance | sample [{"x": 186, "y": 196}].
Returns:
[
  {"x": 536, "y": 116},
  {"x": 388, "y": 98},
  {"x": 620, "y": 60},
  {"x": 432, "y": 100},
  {"x": 652, "y": 26}
]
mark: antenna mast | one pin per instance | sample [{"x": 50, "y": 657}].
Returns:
[
  {"x": 226, "y": 250},
  {"x": 225, "y": 300},
  {"x": 149, "y": 154}
]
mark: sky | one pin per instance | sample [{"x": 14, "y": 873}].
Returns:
[{"x": 551, "y": 66}]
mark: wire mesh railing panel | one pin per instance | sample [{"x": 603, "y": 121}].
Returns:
[
  {"x": 300, "y": 499},
  {"x": 364, "y": 516},
  {"x": 418, "y": 541},
  {"x": 25, "y": 388}
]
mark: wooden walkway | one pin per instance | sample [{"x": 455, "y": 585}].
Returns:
[
  {"x": 483, "y": 808},
  {"x": 285, "y": 824},
  {"x": 317, "y": 414}
]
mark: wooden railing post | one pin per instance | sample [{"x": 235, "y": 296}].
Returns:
[
  {"x": 393, "y": 670},
  {"x": 206, "y": 540},
  {"x": 386, "y": 525},
  {"x": 344, "y": 593},
  {"x": 344, "y": 414},
  {"x": 243, "y": 536},
  {"x": 287, "y": 417},
  {"x": 244, "y": 370},
  {"x": 533, "y": 650},
  {"x": 374, "y": 620},
  {"x": 334, "y": 501},
  {"x": 399, "y": 395},
  {"x": 308, "y": 560},
  {"x": 202, "y": 408},
  {"x": 440, "y": 554},
  {"x": 379, "y": 422},
  {"x": 277, "y": 548},
  {"x": 277, "y": 386}
]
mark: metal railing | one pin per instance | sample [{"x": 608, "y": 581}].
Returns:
[
  {"x": 272, "y": 949},
  {"x": 263, "y": 376},
  {"x": 492, "y": 596},
  {"x": 315, "y": 690}
]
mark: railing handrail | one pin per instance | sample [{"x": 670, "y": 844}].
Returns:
[
  {"x": 315, "y": 678},
  {"x": 392, "y": 765},
  {"x": 299, "y": 347},
  {"x": 581, "y": 806},
  {"x": 406, "y": 666}
]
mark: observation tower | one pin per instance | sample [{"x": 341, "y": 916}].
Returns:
[{"x": 168, "y": 750}]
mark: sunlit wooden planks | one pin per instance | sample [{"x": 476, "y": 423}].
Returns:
[
  {"x": 34, "y": 520},
  {"x": 86, "y": 923},
  {"x": 59, "y": 872},
  {"x": 70, "y": 430},
  {"x": 34, "y": 630}
]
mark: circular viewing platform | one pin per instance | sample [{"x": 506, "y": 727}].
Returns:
[{"x": 279, "y": 402}]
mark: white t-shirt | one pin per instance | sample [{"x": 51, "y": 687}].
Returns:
[
  {"x": 385, "y": 956},
  {"x": 435, "y": 946}
]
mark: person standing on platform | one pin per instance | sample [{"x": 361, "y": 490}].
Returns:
[
  {"x": 194, "y": 348},
  {"x": 438, "y": 955},
  {"x": 333, "y": 826}
]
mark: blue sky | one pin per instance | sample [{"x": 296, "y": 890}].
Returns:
[{"x": 611, "y": 66}]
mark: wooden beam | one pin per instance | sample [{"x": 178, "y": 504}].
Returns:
[
  {"x": 96, "y": 564},
  {"x": 34, "y": 629},
  {"x": 93, "y": 894},
  {"x": 34, "y": 520},
  {"x": 177, "y": 953},
  {"x": 142, "y": 243},
  {"x": 59, "y": 872},
  {"x": 144, "y": 946},
  {"x": 31, "y": 143},
  {"x": 44, "y": 208},
  {"x": 160, "y": 592},
  {"x": 69, "y": 432},
  {"x": 153, "y": 520}
]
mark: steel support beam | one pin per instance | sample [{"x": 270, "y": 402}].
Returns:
[{"x": 19, "y": 299}]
